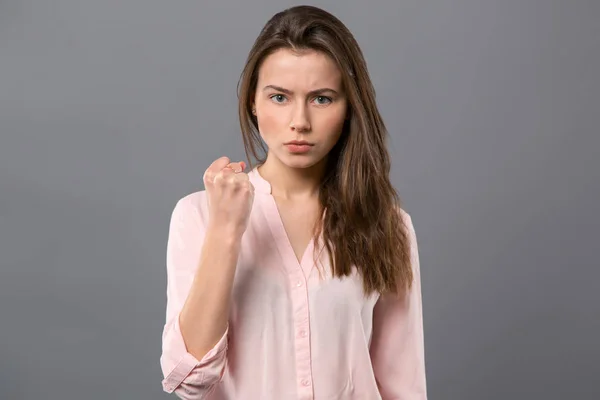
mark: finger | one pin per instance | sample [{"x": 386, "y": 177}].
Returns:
[
  {"x": 218, "y": 164},
  {"x": 237, "y": 166},
  {"x": 225, "y": 175},
  {"x": 229, "y": 176},
  {"x": 214, "y": 168}
]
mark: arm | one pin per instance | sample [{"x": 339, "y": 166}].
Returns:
[
  {"x": 397, "y": 346},
  {"x": 201, "y": 264}
]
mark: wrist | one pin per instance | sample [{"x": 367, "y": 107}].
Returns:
[{"x": 224, "y": 234}]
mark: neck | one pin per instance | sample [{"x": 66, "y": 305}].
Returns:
[{"x": 292, "y": 183}]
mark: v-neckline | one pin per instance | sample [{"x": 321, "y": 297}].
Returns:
[
  {"x": 284, "y": 244},
  {"x": 277, "y": 228}
]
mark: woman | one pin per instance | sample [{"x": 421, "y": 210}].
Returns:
[{"x": 299, "y": 279}]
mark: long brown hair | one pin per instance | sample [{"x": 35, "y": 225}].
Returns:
[{"x": 361, "y": 219}]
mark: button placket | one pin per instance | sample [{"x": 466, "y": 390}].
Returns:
[
  {"x": 302, "y": 337},
  {"x": 298, "y": 287}
]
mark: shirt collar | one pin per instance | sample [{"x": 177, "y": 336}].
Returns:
[{"x": 261, "y": 185}]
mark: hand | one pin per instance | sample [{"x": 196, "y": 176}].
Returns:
[{"x": 230, "y": 195}]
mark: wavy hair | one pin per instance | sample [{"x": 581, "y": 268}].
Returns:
[{"x": 361, "y": 218}]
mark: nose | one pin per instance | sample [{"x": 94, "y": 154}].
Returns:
[{"x": 300, "y": 119}]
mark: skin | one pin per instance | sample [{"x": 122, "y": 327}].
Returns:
[{"x": 298, "y": 114}]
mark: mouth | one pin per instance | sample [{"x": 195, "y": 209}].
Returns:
[
  {"x": 299, "y": 143},
  {"x": 298, "y": 147}
]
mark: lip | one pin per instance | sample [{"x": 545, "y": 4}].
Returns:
[
  {"x": 298, "y": 147},
  {"x": 299, "y": 143}
]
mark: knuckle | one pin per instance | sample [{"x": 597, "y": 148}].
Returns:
[
  {"x": 232, "y": 180},
  {"x": 241, "y": 182},
  {"x": 219, "y": 179},
  {"x": 208, "y": 177},
  {"x": 247, "y": 187}
]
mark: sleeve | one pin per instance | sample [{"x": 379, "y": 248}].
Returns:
[
  {"x": 184, "y": 375},
  {"x": 397, "y": 346}
]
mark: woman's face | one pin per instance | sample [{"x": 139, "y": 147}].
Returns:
[{"x": 299, "y": 97}]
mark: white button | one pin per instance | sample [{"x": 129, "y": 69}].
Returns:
[
  {"x": 299, "y": 283},
  {"x": 303, "y": 333},
  {"x": 306, "y": 382}
]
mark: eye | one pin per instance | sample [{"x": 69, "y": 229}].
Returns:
[
  {"x": 322, "y": 100},
  {"x": 278, "y": 98}
]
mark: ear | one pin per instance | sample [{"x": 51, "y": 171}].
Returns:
[{"x": 253, "y": 104}]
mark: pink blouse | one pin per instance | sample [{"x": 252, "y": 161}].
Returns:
[{"x": 291, "y": 334}]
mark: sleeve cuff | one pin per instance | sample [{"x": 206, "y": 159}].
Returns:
[{"x": 184, "y": 366}]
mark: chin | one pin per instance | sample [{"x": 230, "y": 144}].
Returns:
[{"x": 299, "y": 161}]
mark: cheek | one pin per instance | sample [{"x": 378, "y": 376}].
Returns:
[
  {"x": 269, "y": 123},
  {"x": 334, "y": 124}
]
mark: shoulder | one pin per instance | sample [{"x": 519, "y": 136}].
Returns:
[
  {"x": 410, "y": 232},
  {"x": 405, "y": 218},
  {"x": 192, "y": 206}
]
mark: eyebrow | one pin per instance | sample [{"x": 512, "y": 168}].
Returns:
[{"x": 311, "y": 93}]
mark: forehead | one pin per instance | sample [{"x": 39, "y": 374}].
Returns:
[{"x": 306, "y": 70}]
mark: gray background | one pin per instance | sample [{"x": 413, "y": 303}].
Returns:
[{"x": 111, "y": 110}]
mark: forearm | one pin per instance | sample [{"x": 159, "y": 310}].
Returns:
[{"x": 204, "y": 316}]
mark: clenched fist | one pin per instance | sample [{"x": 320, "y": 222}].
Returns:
[{"x": 230, "y": 195}]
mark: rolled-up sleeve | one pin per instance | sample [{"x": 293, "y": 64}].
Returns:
[
  {"x": 397, "y": 345},
  {"x": 184, "y": 375}
]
